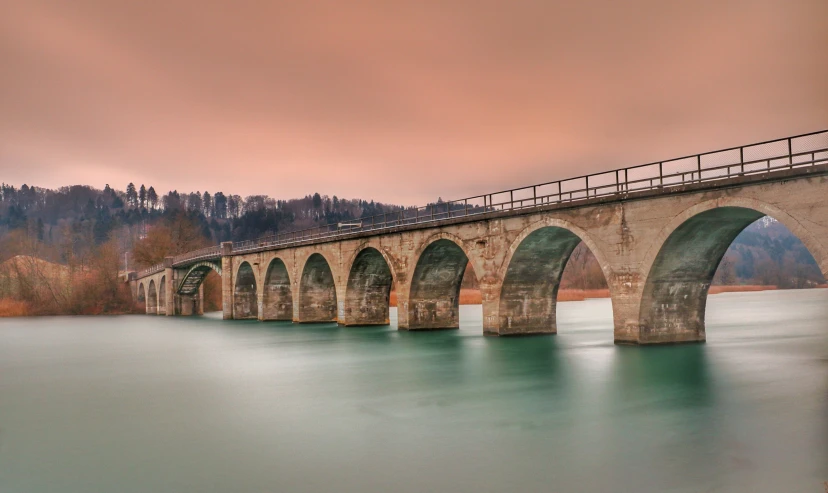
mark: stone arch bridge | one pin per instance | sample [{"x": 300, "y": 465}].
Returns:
[{"x": 658, "y": 232}]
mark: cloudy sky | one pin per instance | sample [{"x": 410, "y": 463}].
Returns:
[{"x": 400, "y": 101}]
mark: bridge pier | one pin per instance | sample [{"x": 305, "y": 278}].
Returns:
[
  {"x": 227, "y": 275},
  {"x": 190, "y": 304},
  {"x": 169, "y": 287}
]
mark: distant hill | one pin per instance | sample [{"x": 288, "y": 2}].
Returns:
[{"x": 767, "y": 253}]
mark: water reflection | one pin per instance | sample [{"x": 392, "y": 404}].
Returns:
[{"x": 676, "y": 376}]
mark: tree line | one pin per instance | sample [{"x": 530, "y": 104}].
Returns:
[
  {"x": 93, "y": 216},
  {"x": 91, "y": 236}
]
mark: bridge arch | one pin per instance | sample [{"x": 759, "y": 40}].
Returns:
[
  {"x": 368, "y": 289},
  {"x": 434, "y": 288},
  {"x": 532, "y": 272},
  {"x": 142, "y": 295},
  {"x": 195, "y": 276},
  {"x": 277, "y": 300},
  {"x": 317, "y": 291},
  {"x": 162, "y": 296},
  {"x": 152, "y": 298},
  {"x": 681, "y": 263},
  {"x": 245, "y": 300}
]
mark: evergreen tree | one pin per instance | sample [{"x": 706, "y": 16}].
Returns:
[
  {"x": 131, "y": 195},
  {"x": 142, "y": 196},
  {"x": 220, "y": 205},
  {"x": 207, "y": 203},
  {"x": 152, "y": 198}
]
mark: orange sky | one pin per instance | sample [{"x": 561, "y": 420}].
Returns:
[{"x": 397, "y": 101}]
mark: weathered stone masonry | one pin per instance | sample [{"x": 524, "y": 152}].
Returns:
[{"x": 658, "y": 251}]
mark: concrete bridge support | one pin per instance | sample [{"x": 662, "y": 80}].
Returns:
[
  {"x": 227, "y": 280},
  {"x": 190, "y": 304}
]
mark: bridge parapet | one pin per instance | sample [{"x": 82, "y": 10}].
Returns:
[{"x": 151, "y": 270}]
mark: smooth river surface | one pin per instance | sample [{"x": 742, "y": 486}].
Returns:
[{"x": 157, "y": 404}]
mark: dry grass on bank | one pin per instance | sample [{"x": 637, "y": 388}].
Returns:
[
  {"x": 13, "y": 308},
  {"x": 740, "y": 288}
]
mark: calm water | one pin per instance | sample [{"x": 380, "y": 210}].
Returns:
[{"x": 155, "y": 404}]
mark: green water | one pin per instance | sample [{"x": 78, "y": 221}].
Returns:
[{"x": 157, "y": 404}]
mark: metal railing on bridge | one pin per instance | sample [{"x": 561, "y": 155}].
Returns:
[
  {"x": 765, "y": 157},
  {"x": 207, "y": 253}
]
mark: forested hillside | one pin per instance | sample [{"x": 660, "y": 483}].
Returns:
[
  {"x": 69, "y": 222},
  {"x": 96, "y": 234}
]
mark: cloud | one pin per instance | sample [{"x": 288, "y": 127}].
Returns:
[{"x": 396, "y": 101}]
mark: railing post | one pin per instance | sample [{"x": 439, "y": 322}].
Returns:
[
  {"x": 511, "y": 199},
  {"x": 535, "y": 194},
  {"x": 741, "y": 159},
  {"x": 698, "y": 161},
  {"x": 465, "y": 207},
  {"x": 790, "y": 152},
  {"x": 661, "y": 174},
  {"x": 560, "y": 196},
  {"x": 587, "y": 186}
]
